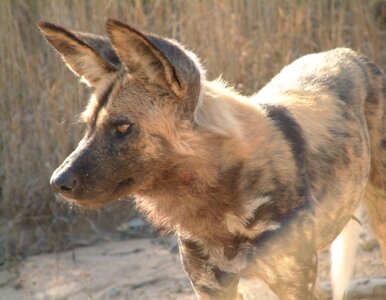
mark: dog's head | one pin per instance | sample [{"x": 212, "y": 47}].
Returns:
[{"x": 145, "y": 89}]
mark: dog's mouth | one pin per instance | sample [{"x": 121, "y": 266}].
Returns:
[
  {"x": 120, "y": 191},
  {"x": 124, "y": 184}
]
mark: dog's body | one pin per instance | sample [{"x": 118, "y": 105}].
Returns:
[{"x": 252, "y": 186}]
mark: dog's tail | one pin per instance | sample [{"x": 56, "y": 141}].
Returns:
[{"x": 343, "y": 251}]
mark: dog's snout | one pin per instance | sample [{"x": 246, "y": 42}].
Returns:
[{"x": 63, "y": 181}]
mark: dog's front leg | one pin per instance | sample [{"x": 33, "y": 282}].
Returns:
[
  {"x": 288, "y": 261},
  {"x": 208, "y": 281},
  {"x": 291, "y": 277}
]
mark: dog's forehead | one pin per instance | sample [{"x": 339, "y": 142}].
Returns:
[
  {"x": 120, "y": 95},
  {"x": 130, "y": 95}
]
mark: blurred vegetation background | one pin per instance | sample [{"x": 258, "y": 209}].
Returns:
[{"x": 247, "y": 42}]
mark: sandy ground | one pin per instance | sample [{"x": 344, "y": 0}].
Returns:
[{"x": 136, "y": 269}]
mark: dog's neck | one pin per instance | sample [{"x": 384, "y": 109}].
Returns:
[{"x": 197, "y": 195}]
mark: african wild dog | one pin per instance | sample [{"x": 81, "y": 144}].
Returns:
[{"x": 252, "y": 186}]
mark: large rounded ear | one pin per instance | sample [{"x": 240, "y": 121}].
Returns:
[
  {"x": 158, "y": 61},
  {"x": 89, "y": 56}
]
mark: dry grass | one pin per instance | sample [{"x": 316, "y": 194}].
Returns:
[{"x": 245, "y": 41}]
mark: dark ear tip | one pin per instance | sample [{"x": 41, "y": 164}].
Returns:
[
  {"x": 112, "y": 22},
  {"x": 45, "y": 26}
]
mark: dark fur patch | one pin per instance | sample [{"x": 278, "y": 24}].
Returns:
[
  {"x": 383, "y": 144},
  {"x": 209, "y": 291},
  {"x": 374, "y": 69},
  {"x": 291, "y": 131},
  {"x": 384, "y": 88},
  {"x": 105, "y": 96},
  {"x": 252, "y": 177},
  {"x": 373, "y": 97},
  {"x": 341, "y": 85},
  {"x": 232, "y": 249},
  {"x": 287, "y": 200},
  {"x": 193, "y": 249},
  {"x": 224, "y": 278},
  {"x": 102, "y": 101},
  {"x": 230, "y": 177},
  {"x": 102, "y": 45}
]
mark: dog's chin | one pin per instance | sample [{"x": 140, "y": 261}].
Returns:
[
  {"x": 121, "y": 190},
  {"x": 90, "y": 203}
]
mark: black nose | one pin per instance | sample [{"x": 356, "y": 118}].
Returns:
[{"x": 63, "y": 181}]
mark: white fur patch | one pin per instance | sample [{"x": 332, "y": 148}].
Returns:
[
  {"x": 236, "y": 224},
  {"x": 89, "y": 112},
  {"x": 214, "y": 109}
]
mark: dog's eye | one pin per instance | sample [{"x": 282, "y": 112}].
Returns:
[{"x": 122, "y": 128}]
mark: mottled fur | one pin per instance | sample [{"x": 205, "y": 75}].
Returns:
[{"x": 252, "y": 186}]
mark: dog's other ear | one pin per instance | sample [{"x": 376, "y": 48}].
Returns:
[
  {"x": 157, "y": 60},
  {"x": 90, "y": 57},
  {"x": 142, "y": 59}
]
